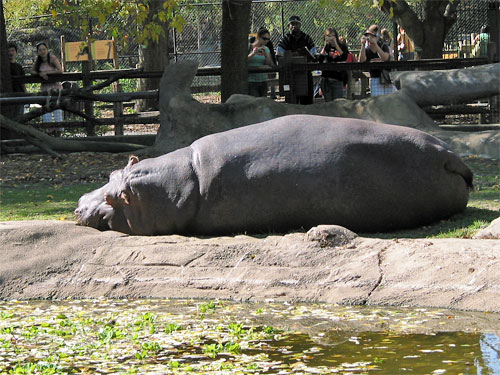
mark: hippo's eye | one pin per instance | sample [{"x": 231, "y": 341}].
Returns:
[{"x": 109, "y": 199}]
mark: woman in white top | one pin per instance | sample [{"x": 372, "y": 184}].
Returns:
[{"x": 45, "y": 64}]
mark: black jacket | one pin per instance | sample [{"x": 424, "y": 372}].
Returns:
[
  {"x": 293, "y": 43},
  {"x": 340, "y": 76},
  {"x": 17, "y": 70}
]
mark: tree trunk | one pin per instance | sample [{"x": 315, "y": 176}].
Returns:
[
  {"x": 428, "y": 34},
  {"x": 5, "y": 79},
  {"x": 50, "y": 144},
  {"x": 234, "y": 47},
  {"x": 153, "y": 57}
]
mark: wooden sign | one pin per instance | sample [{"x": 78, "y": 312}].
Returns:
[
  {"x": 78, "y": 51},
  {"x": 103, "y": 50}
]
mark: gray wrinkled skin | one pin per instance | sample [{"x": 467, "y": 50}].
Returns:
[{"x": 293, "y": 172}]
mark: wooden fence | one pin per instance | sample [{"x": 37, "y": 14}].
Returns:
[{"x": 285, "y": 70}]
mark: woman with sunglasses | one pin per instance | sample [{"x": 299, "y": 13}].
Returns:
[{"x": 259, "y": 55}]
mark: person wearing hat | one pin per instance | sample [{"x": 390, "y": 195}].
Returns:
[
  {"x": 296, "y": 41},
  {"x": 372, "y": 49}
]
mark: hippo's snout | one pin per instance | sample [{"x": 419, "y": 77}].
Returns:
[{"x": 93, "y": 215}]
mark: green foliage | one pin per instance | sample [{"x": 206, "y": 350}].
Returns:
[
  {"x": 206, "y": 307},
  {"x": 172, "y": 327},
  {"x": 152, "y": 23},
  {"x": 5, "y": 315},
  {"x": 34, "y": 368},
  {"x": 212, "y": 350},
  {"x": 108, "y": 333},
  {"x": 236, "y": 329},
  {"x": 15, "y": 11},
  {"x": 151, "y": 347}
]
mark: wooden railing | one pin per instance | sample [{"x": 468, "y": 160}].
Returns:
[{"x": 286, "y": 70}]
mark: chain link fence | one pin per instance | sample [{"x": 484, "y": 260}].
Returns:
[{"x": 200, "y": 37}]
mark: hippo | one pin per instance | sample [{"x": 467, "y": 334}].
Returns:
[{"x": 289, "y": 173}]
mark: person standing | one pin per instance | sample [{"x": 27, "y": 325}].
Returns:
[
  {"x": 386, "y": 38},
  {"x": 481, "y": 41},
  {"x": 332, "y": 83},
  {"x": 374, "y": 50},
  {"x": 46, "y": 64},
  {"x": 296, "y": 41},
  {"x": 259, "y": 55},
  {"x": 405, "y": 46},
  {"x": 16, "y": 69}
]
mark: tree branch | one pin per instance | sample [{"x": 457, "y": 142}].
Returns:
[
  {"x": 109, "y": 81},
  {"x": 61, "y": 144},
  {"x": 405, "y": 15},
  {"x": 450, "y": 15}
]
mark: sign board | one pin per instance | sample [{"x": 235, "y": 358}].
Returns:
[{"x": 101, "y": 50}]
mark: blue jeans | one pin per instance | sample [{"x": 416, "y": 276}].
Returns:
[
  {"x": 332, "y": 89},
  {"x": 57, "y": 116}
]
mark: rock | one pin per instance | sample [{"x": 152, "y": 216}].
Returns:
[
  {"x": 58, "y": 259},
  {"x": 491, "y": 232},
  {"x": 330, "y": 235}
]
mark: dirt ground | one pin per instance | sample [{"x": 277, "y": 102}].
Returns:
[{"x": 20, "y": 169}]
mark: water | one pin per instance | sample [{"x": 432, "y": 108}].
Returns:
[{"x": 180, "y": 336}]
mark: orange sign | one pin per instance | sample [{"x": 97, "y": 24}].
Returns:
[{"x": 78, "y": 51}]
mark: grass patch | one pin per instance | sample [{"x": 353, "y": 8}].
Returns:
[
  {"x": 41, "y": 202},
  {"x": 462, "y": 225}
]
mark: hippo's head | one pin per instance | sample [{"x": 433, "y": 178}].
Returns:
[{"x": 94, "y": 208}]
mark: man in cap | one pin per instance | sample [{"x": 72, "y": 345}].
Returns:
[
  {"x": 372, "y": 49},
  {"x": 296, "y": 41}
]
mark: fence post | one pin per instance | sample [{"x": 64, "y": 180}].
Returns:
[
  {"x": 494, "y": 47},
  {"x": 63, "y": 53},
  {"x": 493, "y": 26},
  {"x": 286, "y": 78},
  {"x": 117, "y": 87},
  {"x": 87, "y": 81}
]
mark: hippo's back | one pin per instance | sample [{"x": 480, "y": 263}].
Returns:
[{"x": 300, "y": 171}]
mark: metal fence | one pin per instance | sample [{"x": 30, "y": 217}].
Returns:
[{"x": 200, "y": 38}]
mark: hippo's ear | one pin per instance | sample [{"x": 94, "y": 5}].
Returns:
[
  {"x": 132, "y": 159},
  {"x": 124, "y": 197}
]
